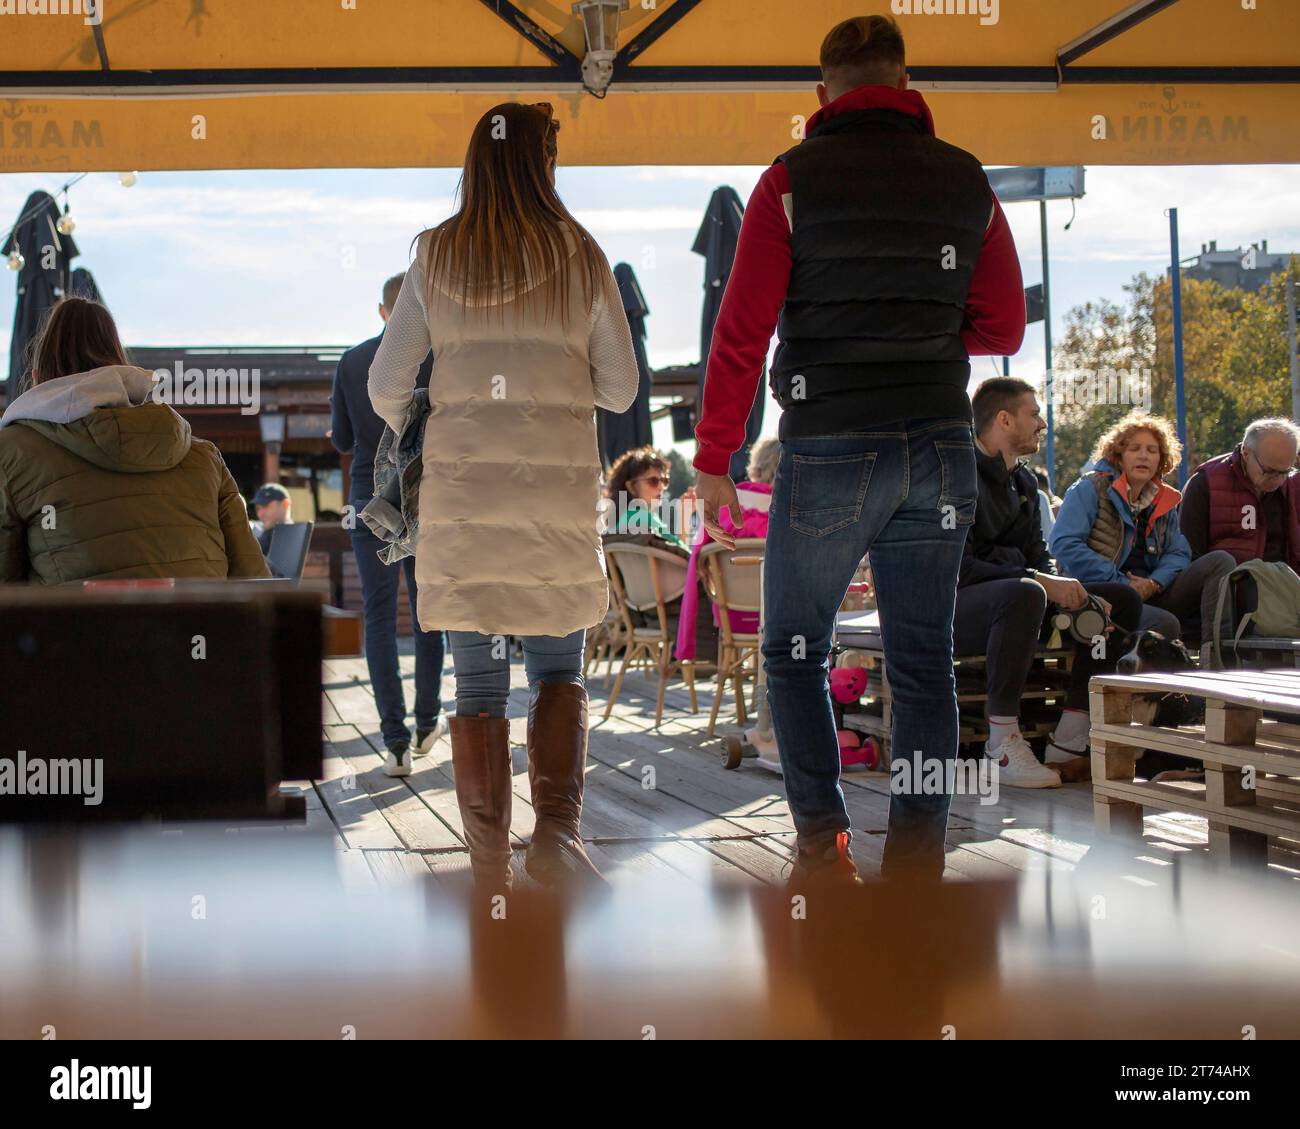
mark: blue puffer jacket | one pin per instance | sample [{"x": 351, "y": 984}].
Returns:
[{"x": 1165, "y": 542}]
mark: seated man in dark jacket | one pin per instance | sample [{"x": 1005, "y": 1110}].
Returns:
[
  {"x": 356, "y": 429},
  {"x": 1007, "y": 581}
]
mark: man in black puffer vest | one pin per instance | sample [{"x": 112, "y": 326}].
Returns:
[{"x": 888, "y": 261}]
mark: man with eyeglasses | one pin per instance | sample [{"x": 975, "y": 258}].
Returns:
[{"x": 1248, "y": 501}]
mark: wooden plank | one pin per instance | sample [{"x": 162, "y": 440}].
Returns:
[
  {"x": 396, "y": 868},
  {"x": 1259, "y": 818},
  {"x": 1108, "y": 707},
  {"x": 1188, "y": 742},
  {"x": 1230, "y": 725},
  {"x": 766, "y": 860},
  {"x": 358, "y": 818},
  {"x": 414, "y": 822},
  {"x": 1116, "y": 817},
  {"x": 1239, "y": 688}
]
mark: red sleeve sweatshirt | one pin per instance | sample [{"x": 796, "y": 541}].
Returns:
[{"x": 760, "y": 277}]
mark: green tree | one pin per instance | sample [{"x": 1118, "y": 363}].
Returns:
[{"x": 1235, "y": 364}]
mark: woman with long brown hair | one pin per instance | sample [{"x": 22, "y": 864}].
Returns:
[
  {"x": 528, "y": 334},
  {"x": 99, "y": 480}
]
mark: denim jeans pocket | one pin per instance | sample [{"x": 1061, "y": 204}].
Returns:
[
  {"x": 827, "y": 491},
  {"x": 959, "y": 489}
]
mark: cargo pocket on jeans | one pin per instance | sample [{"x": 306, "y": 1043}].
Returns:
[
  {"x": 827, "y": 491},
  {"x": 958, "y": 490}
]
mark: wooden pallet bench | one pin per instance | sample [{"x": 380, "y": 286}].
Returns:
[
  {"x": 1043, "y": 696},
  {"x": 1249, "y": 745}
]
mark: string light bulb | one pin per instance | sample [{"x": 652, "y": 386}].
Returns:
[
  {"x": 15, "y": 260},
  {"x": 127, "y": 179},
  {"x": 66, "y": 225}
]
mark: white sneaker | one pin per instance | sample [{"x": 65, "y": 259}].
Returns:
[
  {"x": 1018, "y": 767},
  {"x": 397, "y": 762},
  {"x": 424, "y": 742},
  {"x": 1059, "y": 754}
]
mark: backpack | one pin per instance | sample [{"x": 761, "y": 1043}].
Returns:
[{"x": 1277, "y": 605}]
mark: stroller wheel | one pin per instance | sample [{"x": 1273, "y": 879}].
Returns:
[{"x": 733, "y": 752}]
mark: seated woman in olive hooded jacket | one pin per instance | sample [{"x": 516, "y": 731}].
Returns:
[{"x": 98, "y": 481}]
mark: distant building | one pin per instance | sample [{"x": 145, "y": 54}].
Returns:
[{"x": 1237, "y": 269}]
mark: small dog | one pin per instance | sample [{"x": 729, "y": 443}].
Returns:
[{"x": 1151, "y": 653}]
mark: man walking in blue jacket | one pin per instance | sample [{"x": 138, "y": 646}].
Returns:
[{"x": 357, "y": 430}]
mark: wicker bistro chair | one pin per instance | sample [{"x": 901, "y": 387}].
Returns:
[
  {"x": 645, "y": 580},
  {"x": 605, "y": 642},
  {"x": 734, "y": 585}
]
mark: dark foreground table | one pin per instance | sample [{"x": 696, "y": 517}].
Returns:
[{"x": 147, "y": 933}]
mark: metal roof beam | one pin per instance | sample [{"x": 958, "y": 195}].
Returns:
[
  {"x": 525, "y": 26},
  {"x": 1111, "y": 28},
  {"x": 651, "y": 34}
]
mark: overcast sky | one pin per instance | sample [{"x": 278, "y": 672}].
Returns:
[{"x": 298, "y": 257}]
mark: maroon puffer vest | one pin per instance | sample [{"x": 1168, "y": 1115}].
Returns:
[{"x": 1230, "y": 491}]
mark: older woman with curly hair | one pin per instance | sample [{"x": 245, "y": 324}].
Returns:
[{"x": 1119, "y": 522}]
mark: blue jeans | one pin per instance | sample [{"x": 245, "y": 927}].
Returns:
[
  {"x": 906, "y": 495},
  {"x": 483, "y": 667},
  {"x": 379, "y": 593}
]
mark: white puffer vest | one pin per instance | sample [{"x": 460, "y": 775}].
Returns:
[{"x": 508, "y": 540}]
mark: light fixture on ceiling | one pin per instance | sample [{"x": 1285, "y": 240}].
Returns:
[{"x": 600, "y": 20}]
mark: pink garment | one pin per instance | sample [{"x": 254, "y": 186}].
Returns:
[{"x": 755, "y": 497}]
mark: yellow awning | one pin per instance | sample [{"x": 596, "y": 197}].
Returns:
[{"x": 220, "y": 84}]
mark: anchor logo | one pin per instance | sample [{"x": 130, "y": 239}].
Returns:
[{"x": 1169, "y": 105}]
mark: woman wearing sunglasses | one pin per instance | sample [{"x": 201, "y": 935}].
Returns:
[
  {"x": 637, "y": 482},
  {"x": 528, "y": 334}
]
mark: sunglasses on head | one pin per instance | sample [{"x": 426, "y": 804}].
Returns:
[{"x": 547, "y": 109}]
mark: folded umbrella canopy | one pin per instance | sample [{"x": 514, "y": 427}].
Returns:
[
  {"x": 624, "y": 431},
  {"x": 83, "y": 285},
  {"x": 716, "y": 241},
  {"x": 42, "y": 281}
]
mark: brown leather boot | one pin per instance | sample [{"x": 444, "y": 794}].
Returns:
[
  {"x": 480, "y": 758},
  {"x": 557, "y": 755}
]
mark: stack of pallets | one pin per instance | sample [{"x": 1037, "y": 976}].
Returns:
[{"x": 1249, "y": 745}]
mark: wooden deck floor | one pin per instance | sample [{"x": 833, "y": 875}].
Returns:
[{"x": 695, "y": 821}]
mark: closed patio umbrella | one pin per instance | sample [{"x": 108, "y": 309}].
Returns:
[
  {"x": 42, "y": 281},
  {"x": 716, "y": 241},
  {"x": 83, "y": 285},
  {"x": 623, "y": 431}
]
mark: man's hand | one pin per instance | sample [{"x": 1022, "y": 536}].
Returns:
[
  {"x": 1106, "y": 607},
  {"x": 1144, "y": 586},
  {"x": 1063, "y": 591},
  {"x": 715, "y": 491}
]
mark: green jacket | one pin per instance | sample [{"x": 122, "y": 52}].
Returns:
[{"x": 97, "y": 481}]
